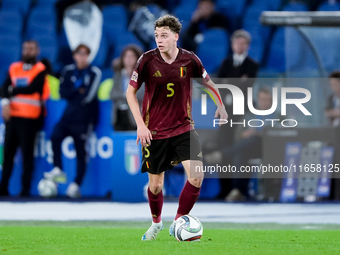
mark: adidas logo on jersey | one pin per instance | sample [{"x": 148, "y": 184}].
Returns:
[{"x": 157, "y": 74}]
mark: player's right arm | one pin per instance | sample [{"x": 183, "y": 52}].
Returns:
[
  {"x": 143, "y": 133},
  {"x": 137, "y": 79}
]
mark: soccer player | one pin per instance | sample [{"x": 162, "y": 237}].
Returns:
[{"x": 166, "y": 128}]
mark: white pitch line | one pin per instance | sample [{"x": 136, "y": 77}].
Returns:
[{"x": 206, "y": 212}]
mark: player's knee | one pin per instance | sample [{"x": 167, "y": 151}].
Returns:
[
  {"x": 155, "y": 188},
  {"x": 197, "y": 182}
]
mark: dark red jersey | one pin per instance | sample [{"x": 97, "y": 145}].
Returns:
[{"x": 166, "y": 105}]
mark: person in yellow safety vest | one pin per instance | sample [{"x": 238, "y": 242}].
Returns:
[{"x": 23, "y": 95}]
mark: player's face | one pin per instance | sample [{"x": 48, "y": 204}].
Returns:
[
  {"x": 166, "y": 40},
  {"x": 81, "y": 57},
  {"x": 240, "y": 45},
  {"x": 29, "y": 51},
  {"x": 335, "y": 85},
  {"x": 129, "y": 59}
]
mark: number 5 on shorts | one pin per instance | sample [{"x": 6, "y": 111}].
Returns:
[{"x": 147, "y": 152}]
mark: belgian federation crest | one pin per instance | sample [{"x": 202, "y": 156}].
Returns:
[
  {"x": 182, "y": 71},
  {"x": 131, "y": 157}
]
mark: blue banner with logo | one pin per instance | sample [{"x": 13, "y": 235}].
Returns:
[{"x": 114, "y": 162}]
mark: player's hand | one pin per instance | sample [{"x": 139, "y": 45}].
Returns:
[
  {"x": 6, "y": 112},
  {"x": 222, "y": 113},
  {"x": 143, "y": 135}
]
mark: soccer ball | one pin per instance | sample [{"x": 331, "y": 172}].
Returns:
[
  {"x": 47, "y": 188},
  {"x": 188, "y": 228}
]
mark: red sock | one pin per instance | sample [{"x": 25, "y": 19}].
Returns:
[
  {"x": 156, "y": 204},
  {"x": 187, "y": 199}
]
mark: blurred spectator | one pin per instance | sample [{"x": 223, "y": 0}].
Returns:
[
  {"x": 53, "y": 81},
  {"x": 78, "y": 85},
  {"x": 22, "y": 110},
  {"x": 203, "y": 18},
  {"x": 248, "y": 146},
  {"x": 333, "y": 103},
  {"x": 123, "y": 67},
  {"x": 240, "y": 70}
]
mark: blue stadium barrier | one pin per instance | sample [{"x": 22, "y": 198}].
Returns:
[
  {"x": 114, "y": 166},
  {"x": 213, "y": 49}
]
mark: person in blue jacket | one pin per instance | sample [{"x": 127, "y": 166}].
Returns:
[{"x": 79, "y": 84}]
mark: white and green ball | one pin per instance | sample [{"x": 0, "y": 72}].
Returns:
[{"x": 188, "y": 228}]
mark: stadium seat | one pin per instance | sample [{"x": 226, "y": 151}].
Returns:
[
  {"x": 213, "y": 49},
  {"x": 10, "y": 51},
  {"x": 329, "y": 6},
  {"x": 295, "y": 51},
  {"x": 155, "y": 9},
  {"x": 232, "y": 9},
  {"x": 12, "y": 5},
  {"x": 257, "y": 46},
  {"x": 41, "y": 21},
  {"x": 101, "y": 57},
  {"x": 276, "y": 54},
  {"x": 183, "y": 13},
  {"x": 11, "y": 22},
  {"x": 272, "y": 5},
  {"x": 46, "y": 3},
  {"x": 251, "y": 22},
  {"x": 296, "y": 7},
  {"x": 171, "y": 4},
  {"x": 48, "y": 47},
  {"x": 115, "y": 21},
  {"x": 189, "y": 4},
  {"x": 123, "y": 41}
]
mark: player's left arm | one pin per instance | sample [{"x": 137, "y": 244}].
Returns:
[{"x": 214, "y": 92}]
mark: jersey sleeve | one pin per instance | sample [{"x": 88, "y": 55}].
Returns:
[
  {"x": 138, "y": 76},
  {"x": 201, "y": 72}
]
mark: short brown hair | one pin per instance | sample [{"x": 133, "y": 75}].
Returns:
[
  {"x": 169, "y": 21},
  {"x": 335, "y": 75},
  {"x": 82, "y": 46}
]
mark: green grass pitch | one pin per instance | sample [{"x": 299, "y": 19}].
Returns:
[{"x": 124, "y": 238}]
